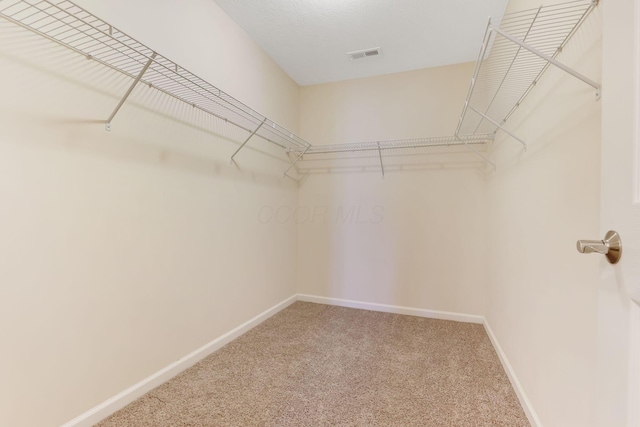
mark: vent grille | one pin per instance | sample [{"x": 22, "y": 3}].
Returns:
[{"x": 366, "y": 53}]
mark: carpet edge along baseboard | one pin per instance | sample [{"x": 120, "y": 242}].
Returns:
[{"x": 122, "y": 399}]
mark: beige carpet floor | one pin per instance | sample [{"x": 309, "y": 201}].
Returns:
[{"x": 319, "y": 365}]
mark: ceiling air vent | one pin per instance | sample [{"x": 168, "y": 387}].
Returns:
[{"x": 366, "y": 53}]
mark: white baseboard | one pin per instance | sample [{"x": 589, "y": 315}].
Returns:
[
  {"x": 432, "y": 314},
  {"x": 515, "y": 383},
  {"x": 122, "y": 399},
  {"x": 119, "y": 401}
]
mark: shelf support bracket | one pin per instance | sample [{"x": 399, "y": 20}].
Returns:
[
  {"x": 483, "y": 49},
  {"x": 490, "y": 120},
  {"x": 381, "y": 164},
  {"x": 247, "y": 140},
  {"x": 107, "y": 126},
  {"x": 476, "y": 151},
  {"x": 296, "y": 160},
  {"x": 550, "y": 60}
]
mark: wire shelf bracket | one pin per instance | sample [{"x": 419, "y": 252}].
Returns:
[
  {"x": 381, "y": 164},
  {"x": 246, "y": 140},
  {"x": 107, "y": 125},
  {"x": 522, "y": 48}
]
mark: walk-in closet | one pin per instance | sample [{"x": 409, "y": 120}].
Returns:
[{"x": 319, "y": 213}]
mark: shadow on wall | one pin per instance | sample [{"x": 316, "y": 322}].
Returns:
[{"x": 192, "y": 141}]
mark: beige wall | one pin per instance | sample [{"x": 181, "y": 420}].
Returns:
[
  {"x": 542, "y": 293},
  {"x": 413, "y": 104},
  {"x": 456, "y": 239},
  {"x": 123, "y": 251},
  {"x": 414, "y": 238}
]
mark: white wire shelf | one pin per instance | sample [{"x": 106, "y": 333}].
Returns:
[
  {"x": 401, "y": 145},
  {"x": 522, "y": 48},
  {"x": 399, "y": 148},
  {"x": 71, "y": 26}
]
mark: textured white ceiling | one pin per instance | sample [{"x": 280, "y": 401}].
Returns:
[{"x": 309, "y": 39}]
